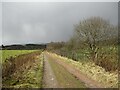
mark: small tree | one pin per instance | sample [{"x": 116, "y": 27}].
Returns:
[{"x": 91, "y": 31}]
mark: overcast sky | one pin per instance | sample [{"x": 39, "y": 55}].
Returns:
[{"x": 42, "y": 22}]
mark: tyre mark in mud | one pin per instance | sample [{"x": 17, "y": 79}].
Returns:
[{"x": 49, "y": 79}]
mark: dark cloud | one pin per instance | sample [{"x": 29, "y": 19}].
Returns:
[{"x": 49, "y": 21}]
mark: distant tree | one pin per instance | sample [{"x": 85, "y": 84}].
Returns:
[
  {"x": 2, "y": 46},
  {"x": 55, "y": 45},
  {"x": 91, "y": 31}
]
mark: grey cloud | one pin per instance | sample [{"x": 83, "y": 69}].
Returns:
[{"x": 45, "y": 22}]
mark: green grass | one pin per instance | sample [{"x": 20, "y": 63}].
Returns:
[
  {"x": 6, "y": 54},
  {"x": 64, "y": 78}
]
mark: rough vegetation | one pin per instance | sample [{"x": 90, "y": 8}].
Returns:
[
  {"x": 21, "y": 71},
  {"x": 107, "y": 56}
]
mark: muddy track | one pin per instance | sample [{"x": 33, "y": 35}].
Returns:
[
  {"x": 88, "y": 81},
  {"x": 49, "y": 79}
]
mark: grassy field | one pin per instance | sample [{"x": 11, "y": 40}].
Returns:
[
  {"x": 24, "y": 70},
  {"x": 6, "y": 54}
]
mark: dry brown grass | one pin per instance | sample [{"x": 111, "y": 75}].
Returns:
[{"x": 15, "y": 65}]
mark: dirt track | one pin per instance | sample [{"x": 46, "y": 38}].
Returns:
[{"x": 50, "y": 78}]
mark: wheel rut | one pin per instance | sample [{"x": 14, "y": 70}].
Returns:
[{"x": 49, "y": 79}]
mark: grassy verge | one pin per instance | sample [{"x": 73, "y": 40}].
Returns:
[
  {"x": 32, "y": 78},
  {"x": 64, "y": 78},
  {"x": 26, "y": 75},
  {"x": 106, "y": 57},
  {"x": 109, "y": 79}
]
